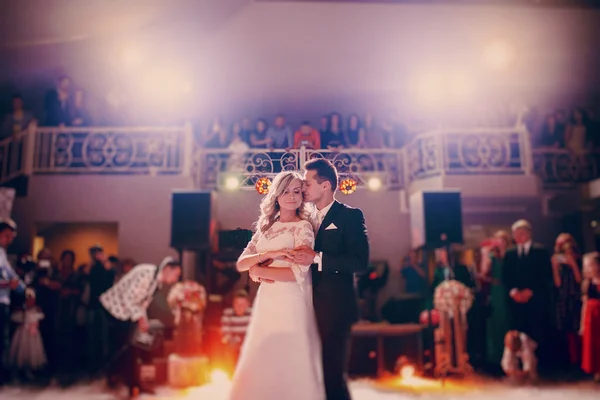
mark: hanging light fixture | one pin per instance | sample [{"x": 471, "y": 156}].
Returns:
[
  {"x": 263, "y": 185},
  {"x": 348, "y": 186}
]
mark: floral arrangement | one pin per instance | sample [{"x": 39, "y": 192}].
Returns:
[
  {"x": 263, "y": 185},
  {"x": 187, "y": 297},
  {"x": 348, "y": 186},
  {"x": 451, "y": 294}
]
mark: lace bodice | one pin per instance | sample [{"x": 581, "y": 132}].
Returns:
[{"x": 284, "y": 235}]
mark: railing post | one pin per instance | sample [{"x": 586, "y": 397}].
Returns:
[
  {"x": 526, "y": 150},
  {"x": 302, "y": 158},
  {"x": 188, "y": 149},
  {"x": 441, "y": 155},
  {"x": 29, "y": 149}
]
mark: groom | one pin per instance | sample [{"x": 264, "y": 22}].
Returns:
[{"x": 341, "y": 249}]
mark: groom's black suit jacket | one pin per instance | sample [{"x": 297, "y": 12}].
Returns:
[{"x": 345, "y": 249}]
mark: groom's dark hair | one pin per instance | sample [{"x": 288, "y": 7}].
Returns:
[{"x": 325, "y": 171}]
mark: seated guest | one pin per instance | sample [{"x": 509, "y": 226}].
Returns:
[
  {"x": 335, "y": 137},
  {"x": 234, "y": 324},
  {"x": 307, "y": 136},
  {"x": 519, "y": 347}
]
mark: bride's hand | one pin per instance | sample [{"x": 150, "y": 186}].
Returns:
[{"x": 283, "y": 254}]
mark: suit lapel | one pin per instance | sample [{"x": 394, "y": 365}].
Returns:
[{"x": 331, "y": 214}]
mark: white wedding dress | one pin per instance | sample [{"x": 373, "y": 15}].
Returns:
[{"x": 281, "y": 354}]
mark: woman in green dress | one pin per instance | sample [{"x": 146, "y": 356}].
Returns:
[{"x": 497, "y": 323}]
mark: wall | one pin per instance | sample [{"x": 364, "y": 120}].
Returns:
[
  {"x": 141, "y": 205},
  {"x": 79, "y": 237},
  {"x": 307, "y": 58}
]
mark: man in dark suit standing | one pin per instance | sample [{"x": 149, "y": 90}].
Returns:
[
  {"x": 341, "y": 250},
  {"x": 527, "y": 275}
]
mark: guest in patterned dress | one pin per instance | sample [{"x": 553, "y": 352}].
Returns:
[
  {"x": 590, "y": 316},
  {"x": 566, "y": 272}
]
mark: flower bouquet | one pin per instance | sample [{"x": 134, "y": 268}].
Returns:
[{"x": 187, "y": 300}]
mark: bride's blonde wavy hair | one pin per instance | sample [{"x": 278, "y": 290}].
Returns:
[{"x": 269, "y": 208}]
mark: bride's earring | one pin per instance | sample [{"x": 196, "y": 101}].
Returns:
[{"x": 276, "y": 204}]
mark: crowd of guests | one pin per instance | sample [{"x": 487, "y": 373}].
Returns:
[
  {"x": 64, "y": 106},
  {"x": 531, "y": 308},
  {"x": 52, "y": 323},
  {"x": 62, "y": 323},
  {"x": 332, "y": 132},
  {"x": 576, "y": 131}
]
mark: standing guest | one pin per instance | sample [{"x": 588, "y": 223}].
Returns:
[
  {"x": 566, "y": 273},
  {"x": 527, "y": 276},
  {"x": 497, "y": 323},
  {"x": 101, "y": 278},
  {"x": 415, "y": 276},
  {"x": 590, "y": 316},
  {"x": 9, "y": 281}
]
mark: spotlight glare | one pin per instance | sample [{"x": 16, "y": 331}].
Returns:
[
  {"x": 498, "y": 55},
  {"x": 232, "y": 183},
  {"x": 407, "y": 372},
  {"x": 374, "y": 184},
  {"x": 219, "y": 376}
]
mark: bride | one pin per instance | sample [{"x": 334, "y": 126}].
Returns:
[{"x": 281, "y": 354}]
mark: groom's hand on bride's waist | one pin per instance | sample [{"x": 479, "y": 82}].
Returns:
[{"x": 265, "y": 263}]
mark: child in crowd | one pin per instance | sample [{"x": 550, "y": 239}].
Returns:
[
  {"x": 519, "y": 361},
  {"x": 27, "y": 353}
]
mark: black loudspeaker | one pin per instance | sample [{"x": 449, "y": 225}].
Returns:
[
  {"x": 190, "y": 220},
  {"x": 435, "y": 219},
  {"x": 404, "y": 310},
  {"x": 236, "y": 239}
]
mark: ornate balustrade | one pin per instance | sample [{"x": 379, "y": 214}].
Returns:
[
  {"x": 469, "y": 151},
  {"x": 171, "y": 150},
  {"x": 561, "y": 168},
  {"x": 215, "y": 166},
  {"x": 110, "y": 150},
  {"x": 12, "y": 157}
]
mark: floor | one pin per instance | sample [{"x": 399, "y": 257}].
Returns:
[{"x": 361, "y": 390}]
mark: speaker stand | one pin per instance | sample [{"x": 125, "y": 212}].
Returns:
[{"x": 188, "y": 264}]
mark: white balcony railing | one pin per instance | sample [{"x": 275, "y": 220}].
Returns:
[
  {"x": 215, "y": 165},
  {"x": 111, "y": 150},
  {"x": 171, "y": 150},
  {"x": 490, "y": 151},
  {"x": 562, "y": 168}
]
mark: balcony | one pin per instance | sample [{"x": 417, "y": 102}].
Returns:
[
  {"x": 561, "y": 169},
  {"x": 479, "y": 161},
  {"x": 216, "y": 166}
]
